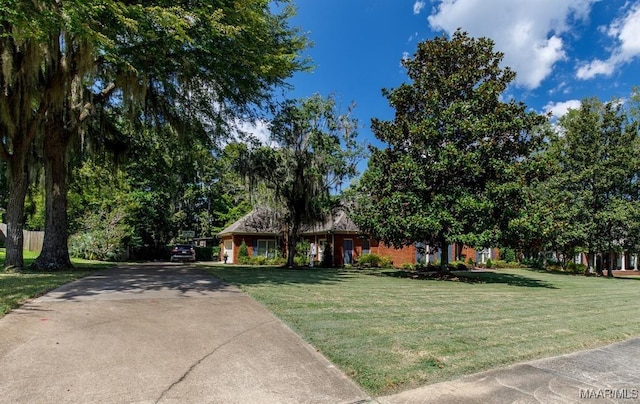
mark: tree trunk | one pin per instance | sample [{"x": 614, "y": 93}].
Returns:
[
  {"x": 18, "y": 182},
  {"x": 55, "y": 249},
  {"x": 291, "y": 245},
  {"x": 444, "y": 255}
]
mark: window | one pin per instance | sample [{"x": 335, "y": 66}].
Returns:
[
  {"x": 266, "y": 248},
  {"x": 366, "y": 246}
]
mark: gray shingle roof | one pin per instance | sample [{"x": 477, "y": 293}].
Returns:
[
  {"x": 264, "y": 221},
  {"x": 258, "y": 221}
]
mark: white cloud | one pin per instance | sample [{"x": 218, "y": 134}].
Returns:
[
  {"x": 625, "y": 31},
  {"x": 594, "y": 68},
  {"x": 559, "y": 109},
  {"x": 259, "y": 130},
  {"x": 528, "y": 32},
  {"x": 418, "y": 6}
]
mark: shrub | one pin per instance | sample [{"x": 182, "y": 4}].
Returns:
[
  {"x": 206, "y": 253},
  {"x": 302, "y": 253},
  {"x": 243, "y": 253},
  {"x": 261, "y": 260},
  {"x": 386, "y": 262},
  {"x": 574, "y": 268},
  {"x": 489, "y": 263},
  {"x": 327, "y": 257},
  {"x": 276, "y": 261},
  {"x": 369, "y": 260},
  {"x": 105, "y": 237},
  {"x": 509, "y": 254},
  {"x": 299, "y": 261},
  {"x": 408, "y": 267},
  {"x": 470, "y": 261}
]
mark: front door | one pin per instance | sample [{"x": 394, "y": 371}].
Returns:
[
  {"x": 347, "y": 246},
  {"x": 228, "y": 250}
]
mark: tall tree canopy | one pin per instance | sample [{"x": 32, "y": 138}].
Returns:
[
  {"x": 590, "y": 198},
  {"x": 315, "y": 153},
  {"x": 187, "y": 65},
  {"x": 451, "y": 170}
]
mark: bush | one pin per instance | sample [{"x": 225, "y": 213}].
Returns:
[
  {"x": 302, "y": 253},
  {"x": 261, "y": 260},
  {"x": 105, "y": 237},
  {"x": 574, "y": 268},
  {"x": 489, "y": 263},
  {"x": 470, "y": 261},
  {"x": 243, "y": 253},
  {"x": 299, "y": 261},
  {"x": 327, "y": 257},
  {"x": 276, "y": 261},
  {"x": 386, "y": 262},
  {"x": 369, "y": 260},
  {"x": 409, "y": 267},
  {"x": 509, "y": 254},
  {"x": 207, "y": 253}
]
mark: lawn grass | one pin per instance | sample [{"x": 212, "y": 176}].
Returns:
[
  {"x": 392, "y": 333},
  {"x": 18, "y": 287}
]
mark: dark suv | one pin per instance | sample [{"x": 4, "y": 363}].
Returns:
[{"x": 183, "y": 252}]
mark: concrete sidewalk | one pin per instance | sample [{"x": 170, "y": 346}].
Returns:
[{"x": 159, "y": 333}]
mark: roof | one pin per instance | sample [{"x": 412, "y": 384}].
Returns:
[
  {"x": 265, "y": 221},
  {"x": 338, "y": 222},
  {"x": 258, "y": 221}
]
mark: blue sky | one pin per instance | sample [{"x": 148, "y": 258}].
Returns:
[{"x": 561, "y": 50}]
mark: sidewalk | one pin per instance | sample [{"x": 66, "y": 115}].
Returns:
[{"x": 159, "y": 333}]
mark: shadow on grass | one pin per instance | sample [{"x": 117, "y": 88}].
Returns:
[
  {"x": 250, "y": 275},
  {"x": 469, "y": 277}
]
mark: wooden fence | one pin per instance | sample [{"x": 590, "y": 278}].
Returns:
[{"x": 32, "y": 239}]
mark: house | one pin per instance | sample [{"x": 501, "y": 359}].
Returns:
[{"x": 261, "y": 233}]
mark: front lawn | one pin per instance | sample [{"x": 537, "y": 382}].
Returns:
[
  {"x": 392, "y": 333},
  {"x": 18, "y": 287}
]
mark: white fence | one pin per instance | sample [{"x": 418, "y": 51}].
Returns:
[{"x": 32, "y": 239}]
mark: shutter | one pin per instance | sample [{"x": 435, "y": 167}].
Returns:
[{"x": 254, "y": 248}]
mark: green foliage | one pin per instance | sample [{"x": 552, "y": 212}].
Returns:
[
  {"x": 574, "y": 268},
  {"x": 317, "y": 152},
  {"x": 370, "y": 260},
  {"x": 509, "y": 254},
  {"x": 327, "y": 257},
  {"x": 587, "y": 197},
  {"x": 452, "y": 168},
  {"x": 470, "y": 261},
  {"x": 207, "y": 253},
  {"x": 301, "y": 257},
  {"x": 489, "y": 263},
  {"x": 95, "y": 73},
  {"x": 104, "y": 237},
  {"x": 243, "y": 253}
]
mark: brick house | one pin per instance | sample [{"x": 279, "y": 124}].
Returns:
[
  {"x": 260, "y": 231},
  {"x": 262, "y": 236}
]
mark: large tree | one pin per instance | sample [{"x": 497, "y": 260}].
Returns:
[
  {"x": 192, "y": 65},
  {"x": 315, "y": 152},
  {"x": 597, "y": 178},
  {"x": 452, "y": 165}
]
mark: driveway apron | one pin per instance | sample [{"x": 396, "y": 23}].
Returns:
[{"x": 159, "y": 333}]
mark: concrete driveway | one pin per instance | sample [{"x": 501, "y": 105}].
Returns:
[
  {"x": 170, "y": 333},
  {"x": 159, "y": 333}
]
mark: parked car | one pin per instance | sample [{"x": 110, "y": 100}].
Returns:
[{"x": 183, "y": 252}]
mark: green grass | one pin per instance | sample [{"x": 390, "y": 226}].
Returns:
[
  {"x": 392, "y": 333},
  {"x": 18, "y": 287}
]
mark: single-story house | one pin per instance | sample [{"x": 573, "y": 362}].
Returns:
[{"x": 261, "y": 233}]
